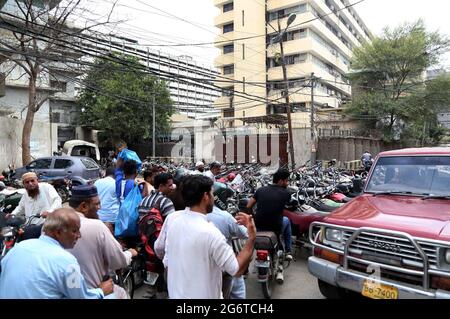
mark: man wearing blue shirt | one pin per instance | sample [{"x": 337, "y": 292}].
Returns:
[
  {"x": 234, "y": 288},
  {"x": 106, "y": 188},
  {"x": 43, "y": 269}
]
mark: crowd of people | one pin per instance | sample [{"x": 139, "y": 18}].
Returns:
[{"x": 68, "y": 252}]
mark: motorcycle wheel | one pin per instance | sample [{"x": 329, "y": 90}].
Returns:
[
  {"x": 63, "y": 194},
  {"x": 266, "y": 289},
  {"x": 127, "y": 283}
]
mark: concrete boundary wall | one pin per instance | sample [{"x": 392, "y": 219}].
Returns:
[{"x": 43, "y": 141}]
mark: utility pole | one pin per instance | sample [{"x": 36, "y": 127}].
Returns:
[
  {"x": 313, "y": 129},
  {"x": 153, "y": 108},
  {"x": 153, "y": 134},
  {"x": 286, "y": 94}
]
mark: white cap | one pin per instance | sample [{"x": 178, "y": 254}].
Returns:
[{"x": 199, "y": 163}]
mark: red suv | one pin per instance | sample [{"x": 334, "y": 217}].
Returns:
[{"x": 393, "y": 241}]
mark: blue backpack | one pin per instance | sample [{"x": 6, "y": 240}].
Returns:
[{"x": 127, "y": 219}]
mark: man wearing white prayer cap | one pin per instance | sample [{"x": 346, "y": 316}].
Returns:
[
  {"x": 199, "y": 168},
  {"x": 40, "y": 198}
]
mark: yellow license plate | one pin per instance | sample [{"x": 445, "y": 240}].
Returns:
[{"x": 375, "y": 290}]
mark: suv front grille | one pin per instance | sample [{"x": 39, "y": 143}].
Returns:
[{"x": 391, "y": 250}]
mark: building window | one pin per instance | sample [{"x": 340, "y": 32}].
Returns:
[
  {"x": 228, "y": 28},
  {"x": 228, "y": 48},
  {"x": 289, "y": 60},
  {"x": 243, "y": 51},
  {"x": 295, "y": 35},
  {"x": 228, "y": 113},
  {"x": 282, "y": 109},
  {"x": 228, "y": 69},
  {"x": 228, "y": 7},
  {"x": 280, "y": 14},
  {"x": 243, "y": 18},
  {"x": 60, "y": 86},
  {"x": 56, "y": 117},
  {"x": 292, "y": 83}
]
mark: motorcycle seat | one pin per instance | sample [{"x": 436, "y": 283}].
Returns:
[{"x": 266, "y": 241}]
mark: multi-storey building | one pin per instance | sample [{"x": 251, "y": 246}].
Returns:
[
  {"x": 190, "y": 84},
  {"x": 319, "y": 42}
]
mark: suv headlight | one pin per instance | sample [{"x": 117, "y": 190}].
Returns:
[
  {"x": 334, "y": 235},
  {"x": 447, "y": 256}
]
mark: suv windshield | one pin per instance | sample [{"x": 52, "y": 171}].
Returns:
[{"x": 418, "y": 175}]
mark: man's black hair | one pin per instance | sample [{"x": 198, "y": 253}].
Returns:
[
  {"x": 194, "y": 187},
  {"x": 281, "y": 175},
  {"x": 161, "y": 178},
  {"x": 215, "y": 164},
  {"x": 129, "y": 167},
  {"x": 110, "y": 171},
  {"x": 76, "y": 202},
  {"x": 120, "y": 144},
  {"x": 148, "y": 173}
]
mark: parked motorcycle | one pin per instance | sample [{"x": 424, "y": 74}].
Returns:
[
  {"x": 12, "y": 231},
  {"x": 8, "y": 179},
  {"x": 270, "y": 261},
  {"x": 142, "y": 270},
  {"x": 63, "y": 185}
]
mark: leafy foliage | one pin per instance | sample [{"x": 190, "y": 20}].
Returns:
[
  {"x": 393, "y": 95},
  {"x": 117, "y": 98}
]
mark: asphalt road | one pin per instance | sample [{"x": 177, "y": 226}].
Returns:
[{"x": 298, "y": 282}]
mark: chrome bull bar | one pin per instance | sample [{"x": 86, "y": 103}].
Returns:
[{"x": 425, "y": 272}]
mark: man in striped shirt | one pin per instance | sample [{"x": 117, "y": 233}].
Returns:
[{"x": 163, "y": 184}]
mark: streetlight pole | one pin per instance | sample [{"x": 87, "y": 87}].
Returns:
[
  {"x": 313, "y": 126},
  {"x": 286, "y": 89}
]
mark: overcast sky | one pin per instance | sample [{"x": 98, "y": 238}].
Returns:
[{"x": 156, "y": 22}]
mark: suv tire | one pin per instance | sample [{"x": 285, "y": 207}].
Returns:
[{"x": 332, "y": 292}]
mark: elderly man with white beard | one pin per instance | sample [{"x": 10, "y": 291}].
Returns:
[{"x": 40, "y": 198}]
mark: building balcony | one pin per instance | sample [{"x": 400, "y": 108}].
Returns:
[
  {"x": 223, "y": 102},
  {"x": 308, "y": 45},
  {"x": 224, "y": 59},
  {"x": 353, "y": 21},
  {"x": 331, "y": 80},
  {"x": 322, "y": 30},
  {"x": 224, "y": 18},
  {"x": 273, "y": 5},
  {"x": 223, "y": 82},
  {"x": 224, "y": 38},
  {"x": 342, "y": 28},
  {"x": 293, "y": 71},
  {"x": 303, "y": 95}
]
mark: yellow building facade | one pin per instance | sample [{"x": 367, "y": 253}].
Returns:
[{"x": 320, "y": 40}]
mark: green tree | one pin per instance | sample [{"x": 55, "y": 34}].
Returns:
[
  {"x": 391, "y": 92},
  {"x": 117, "y": 99}
]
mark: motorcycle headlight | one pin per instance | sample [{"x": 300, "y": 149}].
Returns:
[{"x": 334, "y": 235}]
